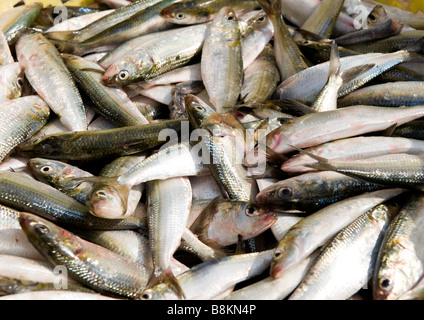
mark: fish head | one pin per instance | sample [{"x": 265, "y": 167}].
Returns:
[
  {"x": 129, "y": 70},
  {"x": 12, "y": 79},
  {"x": 45, "y": 146},
  {"x": 161, "y": 291},
  {"x": 108, "y": 200},
  {"x": 45, "y": 168},
  {"x": 253, "y": 219},
  {"x": 226, "y": 26},
  {"x": 392, "y": 278},
  {"x": 186, "y": 12},
  {"x": 197, "y": 110},
  {"x": 282, "y": 193},
  {"x": 46, "y": 236},
  {"x": 287, "y": 253}
]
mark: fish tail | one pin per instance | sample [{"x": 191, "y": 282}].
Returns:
[
  {"x": 334, "y": 61},
  {"x": 166, "y": 277},
  {"x": 415, "y": 50},
  {"x": 271, "y": 7},
  {"x": 63, "y": 35}
]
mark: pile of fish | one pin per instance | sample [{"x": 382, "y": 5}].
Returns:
[{"x": 212, "y": 149}]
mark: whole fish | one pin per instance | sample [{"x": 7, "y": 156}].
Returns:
[
  {"x": 11, "y": 82},
  {"x": 96, "y": 144},
  {"x": 155, "y": 54},
  {"x": 399, "y": 265},
  {"x": 112, "y": 103},
  {"x": 403, "y": 170},
  {"x": 290, "y": 59},
  {"x": 94, "y": 266},
  {"x": 25, "y": 194},
  {"x": 391, "y": 94},
  {"x": 142, "y": 22},
  {"x": 202, "y": 281},
  {"x": 354, "y": 148},
  {"x": 316, "y": 229},
  {"x": 168, "y": 208},
  {"x": 103, "y": 23},
  {"x": 314, "y": 78},
  {"x": 312, "y": 191},
  {"x": 42, "y": 65},
  {"x": 224, "y": 222},
  {"x": 200, "y": 11},
  {"x": 21, "y": 118},
  {"x": 346, "y": 264},
  {"x": 221, "y": 60},
  {"x": 330, "y": 125}
]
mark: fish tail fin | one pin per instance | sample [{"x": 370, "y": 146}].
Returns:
[
  {"x": 69, "y": 46},
  {"x": 350, "y": 74},
  {"x": 334, "y": 61},
  {"x": 415, "y": 50},
  {"x": 271, "y": 7},
  {"x": 167, "y": 277},
  {"x": 321, "y": 164},
  {"x": 63, "y": 35}
]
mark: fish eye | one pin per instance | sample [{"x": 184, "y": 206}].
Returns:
[
  {"x": 385, "y": 283},
  {"x": 230, "y": 17},
  {"x": 20, "y": 82},
  {"x": 199, "y": 108},
  {"x": 250, "y": 210},
  {"x": 277, "y": 254},
  {"x": 285, "y": 192},
  {"x": 41, "y": 228},
  {"x": 147, "y": 295},
  {"x": 46, "y": 169},
  {"x": 260, "y": 19},
  {"x": 372, "y": 17},
  {"x": 180, "y": 15},
  {"x": 123, "y": 75},
  {"x": 101, "y": 194}
]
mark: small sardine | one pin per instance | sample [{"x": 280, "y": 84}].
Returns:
[
  {"x": 316, "y": 229},
  {"x": 221, "y": 61},
  {"x": 96, "y": 267},
  {"x": 43, "y": 65}
]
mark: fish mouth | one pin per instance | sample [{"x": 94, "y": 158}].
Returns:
[{"x": 110, "y": 76}]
